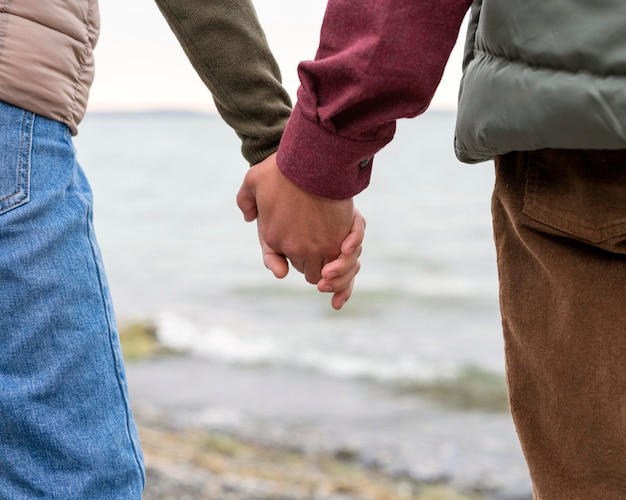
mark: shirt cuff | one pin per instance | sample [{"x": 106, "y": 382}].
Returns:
[{"x": 326, "y": 164}]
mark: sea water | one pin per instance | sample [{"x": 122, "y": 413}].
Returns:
[{"x": 424, "y": 309}]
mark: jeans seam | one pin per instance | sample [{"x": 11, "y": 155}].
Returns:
[{"x": 116, "y": 360}]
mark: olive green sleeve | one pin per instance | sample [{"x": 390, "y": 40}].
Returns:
[{"x": 227, "y": 47}]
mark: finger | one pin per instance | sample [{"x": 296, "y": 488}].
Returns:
[
  {"x": 246, "y": 201},
  {"x": 339, "y": 282},
  {"x": 297, "y": 264},
  {"x": 277, "y": 264},
  {"x": 341, "y": 265},
  {"x": 340, "y": 298},
  {"x": 356, "y": 236},
  {"x": 312, "y": 270},
  {"x": 274, "y": 261}
]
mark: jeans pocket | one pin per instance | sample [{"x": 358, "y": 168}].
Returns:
[
  {"x": 581, "y": 194},
  {"x": 16, "y": 130}
]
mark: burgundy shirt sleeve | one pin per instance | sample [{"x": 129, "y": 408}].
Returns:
[{"x": 378, "y": 61}]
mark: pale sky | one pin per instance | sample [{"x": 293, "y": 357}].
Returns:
[{"x": 141, "y": 66}]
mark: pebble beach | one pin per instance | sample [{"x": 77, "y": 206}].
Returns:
[
  {"x": 198, "y": 447},
  {"x": 193, "y": 464}
]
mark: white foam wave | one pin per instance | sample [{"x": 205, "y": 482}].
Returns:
[{"x": 256, "y": 348}]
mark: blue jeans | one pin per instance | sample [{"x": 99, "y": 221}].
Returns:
[{"x": 66, "y": 429}]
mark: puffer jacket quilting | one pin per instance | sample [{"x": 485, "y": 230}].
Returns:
[
  {"x": 46, "y": 56},
  {"x": 542, "y": 74}
]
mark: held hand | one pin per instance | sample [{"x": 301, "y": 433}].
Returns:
[
  {"x": 338, "y": 275},
  {"x": 295, "y": 224}
]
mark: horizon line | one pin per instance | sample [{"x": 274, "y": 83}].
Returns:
[{"x": 199, "y": 112}]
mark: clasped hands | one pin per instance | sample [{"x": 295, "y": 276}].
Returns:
[{"x": 320, "y": 237}]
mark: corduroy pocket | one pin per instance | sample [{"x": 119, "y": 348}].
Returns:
[{"x": 581, "y": 194}]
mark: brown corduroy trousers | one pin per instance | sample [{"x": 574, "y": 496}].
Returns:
[{"x": 560, "y": 232}]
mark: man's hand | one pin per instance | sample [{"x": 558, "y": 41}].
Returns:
[{"x": 309, "y": 231}]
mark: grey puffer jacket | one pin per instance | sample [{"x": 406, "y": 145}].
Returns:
[
  {"x": 542, "y": 74},
  {"x": 46, "y": 56}
]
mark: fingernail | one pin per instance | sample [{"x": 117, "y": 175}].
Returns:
[{"x": 326, "y": 288}]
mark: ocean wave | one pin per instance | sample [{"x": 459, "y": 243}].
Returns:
[{"x": 406, "y": 371}]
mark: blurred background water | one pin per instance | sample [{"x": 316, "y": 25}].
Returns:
[{"x": 399, "y": 375}]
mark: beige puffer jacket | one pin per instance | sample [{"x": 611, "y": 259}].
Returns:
[{"x": 46, "y": 56}]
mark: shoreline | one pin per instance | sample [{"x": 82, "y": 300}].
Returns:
[
  {"x": 197, "y": 464},
  {"x": 279, "y": 432},
  {"x": 309, "y": 416}
]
